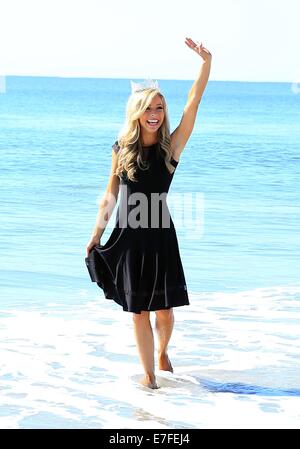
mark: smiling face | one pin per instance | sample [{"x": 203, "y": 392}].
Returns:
[{"x": 153, "y": 117}]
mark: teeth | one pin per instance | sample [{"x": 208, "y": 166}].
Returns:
[{"x": 152, "y": 121}]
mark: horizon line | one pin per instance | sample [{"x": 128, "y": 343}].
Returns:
[{"x": 141, "y": 78}]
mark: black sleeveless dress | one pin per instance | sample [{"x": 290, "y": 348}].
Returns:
[{"x": 139, "y": 266}]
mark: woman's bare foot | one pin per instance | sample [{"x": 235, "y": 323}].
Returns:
[
  {"x": 164, "y": 363},
  {"x": 149, "y": 381}
]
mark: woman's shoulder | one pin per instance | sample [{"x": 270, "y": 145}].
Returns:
[{"x": 116, "y": 147}]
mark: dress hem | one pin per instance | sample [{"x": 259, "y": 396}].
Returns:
[{"x": 150, "y": 309}]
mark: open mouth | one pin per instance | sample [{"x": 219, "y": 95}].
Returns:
[{"x": 152, "y": 123}]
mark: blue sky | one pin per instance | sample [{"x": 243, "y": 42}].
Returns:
[{"x": 251, "y": 40}]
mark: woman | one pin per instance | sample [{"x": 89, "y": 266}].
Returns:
[{"x": 140, "y": 267}]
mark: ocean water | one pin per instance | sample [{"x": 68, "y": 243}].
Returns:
[{"x": 68, "y": 356}]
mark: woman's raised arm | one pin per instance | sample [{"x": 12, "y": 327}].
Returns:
[{"x": 181, "y": 134}]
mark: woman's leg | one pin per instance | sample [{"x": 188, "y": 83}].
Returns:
[
  {"x": 164, "y": 324},
  {"x": 145, "y": 345}
]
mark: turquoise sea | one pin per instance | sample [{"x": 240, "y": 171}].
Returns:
[{"x": 68, "y": 357}]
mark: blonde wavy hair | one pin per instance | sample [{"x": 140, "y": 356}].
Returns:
[{"x": 130, "y": 153}]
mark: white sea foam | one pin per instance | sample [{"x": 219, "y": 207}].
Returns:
[{"x": 235, "y": 357}]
